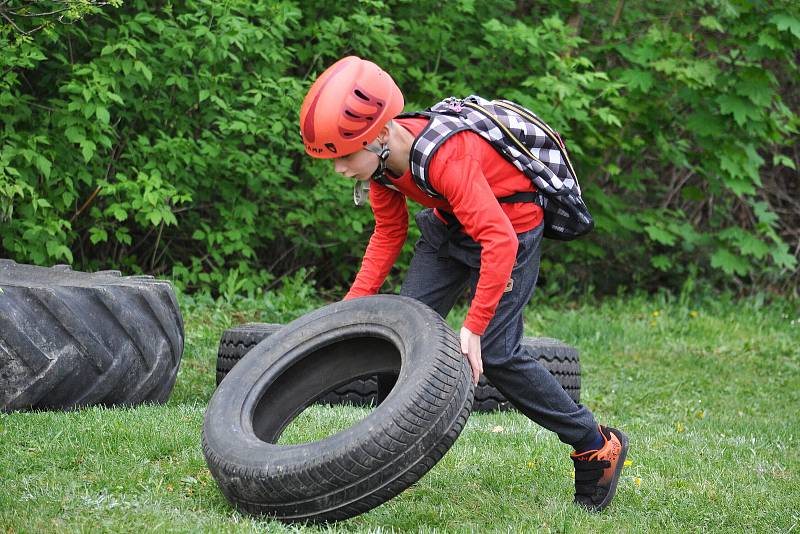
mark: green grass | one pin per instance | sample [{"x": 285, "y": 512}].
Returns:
[{"x": 710, "y": 397}]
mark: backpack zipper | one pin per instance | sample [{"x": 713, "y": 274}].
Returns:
[
  {"x": 521, "y": 111},
  {"x": 508, "y": 133}
]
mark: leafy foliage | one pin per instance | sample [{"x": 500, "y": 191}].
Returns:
[{"x": 162, "y": 137}]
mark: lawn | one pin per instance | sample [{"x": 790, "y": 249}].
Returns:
[{"x": 708, "y": 392}]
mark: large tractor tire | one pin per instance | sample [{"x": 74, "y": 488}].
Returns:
[
  {"x": 359, "y": 467},
  {"x": 70, "y": 339},
  {"x": 560, "y": 359}
]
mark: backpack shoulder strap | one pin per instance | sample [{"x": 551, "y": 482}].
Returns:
[{"x": 444, "y": 121}]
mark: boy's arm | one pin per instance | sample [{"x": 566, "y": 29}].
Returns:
[
  {"x": 463, "y": 184},
  {"x": 391, "y": 228}
]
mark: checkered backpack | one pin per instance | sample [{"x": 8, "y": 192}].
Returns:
[{"x": 524, "y": 140}]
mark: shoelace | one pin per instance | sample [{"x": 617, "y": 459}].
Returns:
[{"x": 587, "y": 473}]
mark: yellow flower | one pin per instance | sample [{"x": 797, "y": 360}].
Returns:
[
  {"x": 637, "y": 481},
  {"x": 693, "y": 314},
  {"x": 572, "y": 474},
  {"x": 679, "y": 427},
  {"x": 656, "y": 313},
  {"x": 628, "y": 462},
  {"x": 531, "y": 465}
]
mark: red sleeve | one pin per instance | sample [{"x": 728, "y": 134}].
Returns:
[
  {"x": 391, "y": 228},
  {"x": 463, "y": 184}
]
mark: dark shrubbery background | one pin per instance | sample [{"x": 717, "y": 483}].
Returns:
[{"x": 163, "y": 138}]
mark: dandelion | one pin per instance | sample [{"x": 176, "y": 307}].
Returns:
[
  {"x": 637, "y": 481},
  {"x": 627, "y": 463},
  {"x": 693, "y": 314},
  {"x": 656, "y": 313},
  {"x": 679, "y": 427},
  {"x": 701, "y": 414},
  {"x": 572, "y": 474},
  {"x": 531, "y": 465}
]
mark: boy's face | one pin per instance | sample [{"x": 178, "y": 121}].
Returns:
[{"x": 358, "y": 165}]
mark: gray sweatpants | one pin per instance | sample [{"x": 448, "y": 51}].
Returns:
[{"x": 438, "y": 282}]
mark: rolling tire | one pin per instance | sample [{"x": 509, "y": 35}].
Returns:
[
  {"x": 237, "y": 341},
  {"x": 70, "y": 339},
  {"x": 560, "y": 359},
  {"x": 364, "y": 465}
]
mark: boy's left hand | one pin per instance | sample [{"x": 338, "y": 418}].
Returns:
[{"x": 471, "y": 349}]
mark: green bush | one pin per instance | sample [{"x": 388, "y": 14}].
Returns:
[{"x": 164, "y": 138}]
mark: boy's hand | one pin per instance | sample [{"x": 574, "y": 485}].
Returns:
[{"x": 471, "y": 349}]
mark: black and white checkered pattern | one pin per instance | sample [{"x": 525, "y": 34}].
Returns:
[
  {"x": 439, "y": 129},
  {"x": 544, "y": 159}
]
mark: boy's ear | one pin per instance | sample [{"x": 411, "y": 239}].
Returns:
[{"x": 385, "y": 133}]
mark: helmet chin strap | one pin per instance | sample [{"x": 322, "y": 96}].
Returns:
[
  {"x": 382, "y": 151},
  {"x": 361, "y": 189}
]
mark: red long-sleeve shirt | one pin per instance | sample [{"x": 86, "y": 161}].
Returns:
[{"x": 471, "y": 175}]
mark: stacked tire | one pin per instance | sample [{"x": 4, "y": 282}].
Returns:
[
  {"x": 70, "y": 339},
  {"x": 560, "y": 359}
]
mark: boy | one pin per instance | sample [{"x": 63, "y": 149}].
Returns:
[{"x": 349, "y": 115}]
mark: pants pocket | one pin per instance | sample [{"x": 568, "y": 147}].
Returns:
[{"x": 433, "y": 230}]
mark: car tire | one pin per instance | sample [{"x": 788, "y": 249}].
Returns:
[
  {"x": 359, "y": 467},
  {"x": 560, "y": 359}
]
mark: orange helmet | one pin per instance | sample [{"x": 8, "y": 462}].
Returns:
[{"x": 346, "y": 108}]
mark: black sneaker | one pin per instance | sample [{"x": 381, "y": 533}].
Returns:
[{"x": 597, "y": 471}]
